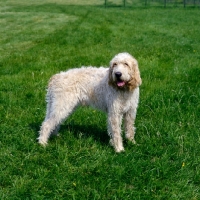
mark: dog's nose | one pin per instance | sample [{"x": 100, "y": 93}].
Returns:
[{"x": 118, "y": 74}]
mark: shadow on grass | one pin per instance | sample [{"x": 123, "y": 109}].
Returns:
[
  {"x": 79, "y": 131},
  {"x": 86, "y": 131}
]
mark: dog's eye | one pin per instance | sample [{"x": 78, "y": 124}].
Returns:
[
  {"x": 126, "y": 64},
  {"x": 114, "y": 64}
]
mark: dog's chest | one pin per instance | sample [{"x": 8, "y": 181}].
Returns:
[{"x": 126, "y": 101}]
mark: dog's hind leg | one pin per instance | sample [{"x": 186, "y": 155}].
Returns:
[
  {"x": 46, "y": 129},
  {"x": 55, "y": 131},
  {"x": 58, "y": 109}
]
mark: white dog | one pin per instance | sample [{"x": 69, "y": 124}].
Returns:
[{"x": 114, "y": 90}]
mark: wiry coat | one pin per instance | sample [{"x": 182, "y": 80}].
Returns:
[{"x": 114, "y": 90}]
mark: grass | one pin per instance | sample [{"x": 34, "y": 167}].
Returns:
[{"x": 41, "y": 38}]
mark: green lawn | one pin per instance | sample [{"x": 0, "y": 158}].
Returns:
[{"x": 41, "y": 38}]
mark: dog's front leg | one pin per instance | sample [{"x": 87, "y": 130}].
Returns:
[
  {"x": 114, "y": 130},
  {"x": 129, "y": 119}
]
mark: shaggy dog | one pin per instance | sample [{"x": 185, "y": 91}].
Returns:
[{"x": 114, "y": 90}]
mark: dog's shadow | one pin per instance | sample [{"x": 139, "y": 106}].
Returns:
[
  {"x": 97, "y": 133},
  {"x": 85, "y": 131}
]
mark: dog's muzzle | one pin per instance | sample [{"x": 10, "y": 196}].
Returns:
[{"x": 120, "y": 83}]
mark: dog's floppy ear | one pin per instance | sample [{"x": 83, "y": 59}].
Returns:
[
  {"x": 110, "y": 79},
  {"x": 135, "y": 80}
]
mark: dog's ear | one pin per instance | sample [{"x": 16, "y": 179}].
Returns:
[
  {"x": 110, "y": 79},
  {"x": 135, "y": 80}
]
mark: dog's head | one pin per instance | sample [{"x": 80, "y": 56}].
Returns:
[{"x": 124, "y": 72}]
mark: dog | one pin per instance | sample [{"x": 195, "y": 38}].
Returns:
[{"x": 114, "y": 90}]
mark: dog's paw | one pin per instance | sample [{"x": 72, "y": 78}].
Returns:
[
  {"x": 119, "y": 150},
  {"x": 131, "y": 140},
  {"x": 42, "y": 142}
]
